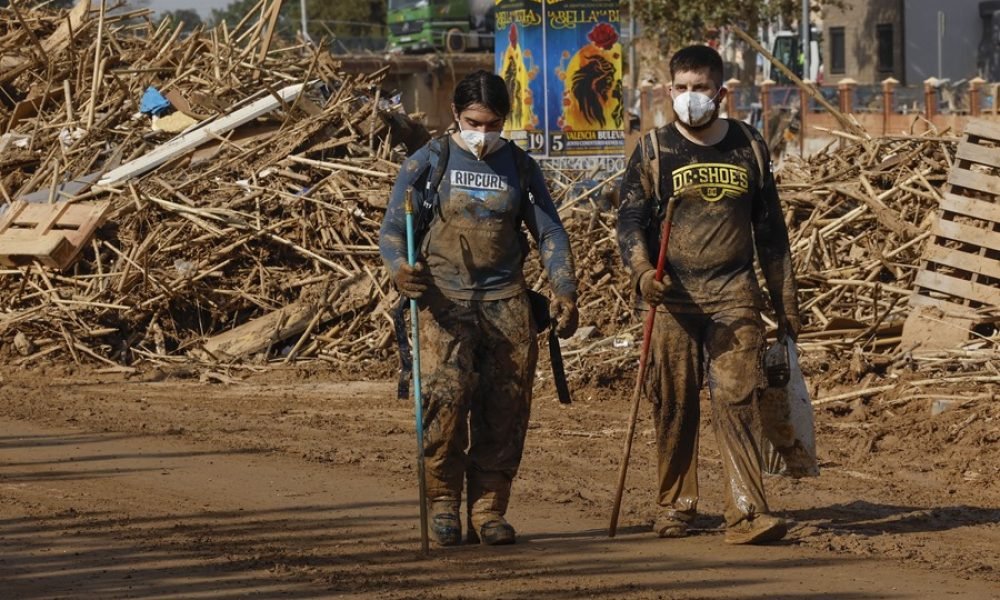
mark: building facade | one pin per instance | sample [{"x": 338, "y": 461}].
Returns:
[
  {"x": 863, "y": 40},
  {"x": 909, "y": 40}
]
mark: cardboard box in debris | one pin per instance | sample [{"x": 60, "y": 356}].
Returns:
[{"x": 217, "y": 196}]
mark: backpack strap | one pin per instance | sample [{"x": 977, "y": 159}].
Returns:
[
  {"x": 651, "y": 152},
  {"x": 523, "y": 165},
  {"x": 757, "y": 151},
  {"x": 437, "y": 165}
]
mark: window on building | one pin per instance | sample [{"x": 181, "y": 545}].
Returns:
[
  {"x": 883, "y": 36},
  {"x": 837, "y": 48}
]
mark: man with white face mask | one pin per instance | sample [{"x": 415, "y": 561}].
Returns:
[{"x": 708, "y": 304}]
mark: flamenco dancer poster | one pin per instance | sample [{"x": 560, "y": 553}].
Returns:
[
  {"x": 519, "y": 40},
  {"x": 586, "y": 109}
]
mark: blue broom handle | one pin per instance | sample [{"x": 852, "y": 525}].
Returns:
[{"x": 411, "y": 258}]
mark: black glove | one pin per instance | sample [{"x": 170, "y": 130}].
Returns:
[
  {"x": 566, "y": 316},
  {"x": 653, "y": 291},
  {"x": 413, "y": 281}
]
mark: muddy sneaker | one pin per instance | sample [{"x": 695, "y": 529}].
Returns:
[
  {"x": 759, "y": 530},
  {"x": 445, "y": 525},
  {"x": 492, "y": 530},
  {"x": 670, "y": 527}
]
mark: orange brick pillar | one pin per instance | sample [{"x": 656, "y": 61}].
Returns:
[
  {"x": 845, "y": 94},
  {"x": 765, "y": 107},
  {"x": 888, "y": 93},
  {"x": 804, "y": 97},
  {"x": 731, "y": 109},
  {"x": 930, "y": 98},
  {"x": 975, "y": 98}
]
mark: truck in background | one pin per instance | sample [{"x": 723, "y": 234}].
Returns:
[
  {"x": 786, "y": 47},
  {"x": 440, "y": 25}
]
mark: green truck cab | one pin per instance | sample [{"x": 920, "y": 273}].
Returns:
[{"x": 440, "y": 25}]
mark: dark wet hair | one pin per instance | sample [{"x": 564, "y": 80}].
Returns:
[
  {"x": 484, "y": 88},
  {"x": 696, "y": 58}
]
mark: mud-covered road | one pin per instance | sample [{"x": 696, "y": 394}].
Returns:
[{"x": 300, "y": 485}]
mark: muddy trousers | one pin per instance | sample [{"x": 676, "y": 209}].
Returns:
[
  {"x": 479, "y": 361},
  {"x": 728, "y": 346}
]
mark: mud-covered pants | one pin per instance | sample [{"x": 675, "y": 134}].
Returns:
[
  {"x": 729, "y": 345},
  {"x": 478, "y": 362}
]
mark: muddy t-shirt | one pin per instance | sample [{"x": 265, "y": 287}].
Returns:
[
  {"x": 474, "y": 248},
  {"x": 712, "y": 240}
]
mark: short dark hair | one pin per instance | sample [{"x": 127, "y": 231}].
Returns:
[
  {"x": 696, "y": 58},
  {"x": 484, "y": 88}
]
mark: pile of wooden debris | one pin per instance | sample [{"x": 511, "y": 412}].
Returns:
[
  {"x": 236, "y": 209},
  {"x": 217, "y": 197}
]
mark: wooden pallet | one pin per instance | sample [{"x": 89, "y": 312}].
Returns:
[
  {"x": 50, "y": 234},
  {"x": 959, "y": 276}
]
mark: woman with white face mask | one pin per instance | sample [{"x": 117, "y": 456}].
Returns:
[
  {"x": 708, "y": 324},
  {"x": 478, "y": 349}
]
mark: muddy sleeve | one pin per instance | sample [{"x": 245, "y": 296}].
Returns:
[
  {"x": 771, "y": 240},
  {"x": 634, "y": 215},
  {"x": 546, "y": 228},
  {"x": 392, "y": 235}
]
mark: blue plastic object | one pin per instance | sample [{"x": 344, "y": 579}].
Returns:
[{"x": 153, "y": 103}]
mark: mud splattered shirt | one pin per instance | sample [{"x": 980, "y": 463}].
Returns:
[
  {"x": 713, "y": 235},
  {"x": 475, "y": 248}
]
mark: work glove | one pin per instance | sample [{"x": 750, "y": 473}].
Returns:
[
  {"x": 789, "y": 326},
  {"x": 653, "y": 291},
  {"x": 566, "y": 316},
  {"x": 412, "y": 281}
]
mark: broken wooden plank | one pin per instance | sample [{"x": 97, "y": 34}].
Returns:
[
  {"x": 191, "y": 140},
  {"x": 261, "y": 333},
  {"x": 959, "y": 288}
]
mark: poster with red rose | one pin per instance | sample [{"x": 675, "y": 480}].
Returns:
[
  {"x": 585, "y": 101},
  {"x": 520, "y": 59}
]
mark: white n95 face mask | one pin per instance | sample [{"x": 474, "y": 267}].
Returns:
[
  {"x": 694, "y": 108},
  {"x": 480, "y": 143}
]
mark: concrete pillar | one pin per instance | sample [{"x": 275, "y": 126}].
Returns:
[
  {"x": 930, "y": 97},
  {"x": 731, "y": 109},
  {"x": 845, "y": 94},
  {"x": 975, "y": 101},
  {"x": 765, "y": 107},
  {"x": 888, "y": 92}
]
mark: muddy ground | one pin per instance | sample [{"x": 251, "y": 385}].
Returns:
[{"x": 300, "y": 484}]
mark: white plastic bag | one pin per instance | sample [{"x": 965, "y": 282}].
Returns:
[{"x": 788, "y": 445}]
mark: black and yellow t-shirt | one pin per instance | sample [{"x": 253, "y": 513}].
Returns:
[{"x": 711, "y": 248}]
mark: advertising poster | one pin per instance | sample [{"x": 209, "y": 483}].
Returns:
[
  {"x": 585, "y": 103},
  {"x": 519, "y": 59}
]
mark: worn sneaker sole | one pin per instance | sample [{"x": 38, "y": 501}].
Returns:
[{"x": 772, "y": 533}]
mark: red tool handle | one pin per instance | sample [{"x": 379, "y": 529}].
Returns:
[{"x": 647, "y": 335}]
